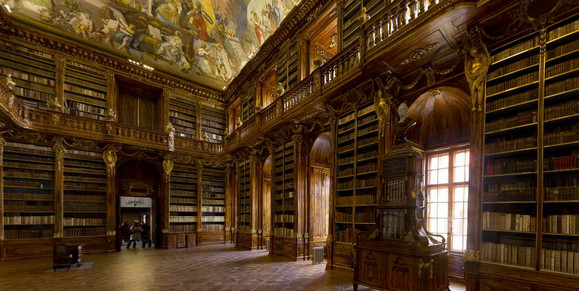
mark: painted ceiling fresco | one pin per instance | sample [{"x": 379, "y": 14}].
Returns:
[{"x": 206, "y": 41}]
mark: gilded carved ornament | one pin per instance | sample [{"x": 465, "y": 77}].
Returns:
[
  {"x": 168, "y": 166},
  {"x": 383, "y": 100},
  {"x": 110, "y": 158},
  {"x": 476, "y": 65},
  {"x": 472, "y": 256}
]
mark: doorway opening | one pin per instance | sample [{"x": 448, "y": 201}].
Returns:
[
  {"x": 319, "y": 188},
  {"x": 137, "y": 205}
]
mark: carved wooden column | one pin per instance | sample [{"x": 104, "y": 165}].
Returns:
[
  {"x": 110, "y": 158},
  {"x": 111, "y": 114},
  {"x": 57, "y": 103},
  {"x": 165, "y": 99},
  {"x": 229, "y": 209},
  {"x": 199, "y": 197},
  {"x": 165, "y": 198},
  {"x": 1, "y": 190},
  {"x": 300, "y": 169},
  {"x": 259, "y": 199},
  {"x": 58, "y": 187},
  {"x": 476, "y": 67},
  {"x": 329, "y": 240},
  {"x": 198, "y": 115},
  {"x": 254, "y": 186}
]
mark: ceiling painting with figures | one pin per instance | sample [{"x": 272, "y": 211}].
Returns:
[{"x": 205, "y": 41}]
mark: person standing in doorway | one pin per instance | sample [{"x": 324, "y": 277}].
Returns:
[
  {"x": 136, "y": 231},
  {"x": 146, "y": 234}
]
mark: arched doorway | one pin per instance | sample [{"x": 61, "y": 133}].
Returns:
[
  {"x": 319, "y": 191},
  {"x": 266, "y": 201},
  {"x": 137, "y": 199}
]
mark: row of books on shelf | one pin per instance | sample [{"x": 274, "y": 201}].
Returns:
[
  {"x": 87, "y": 68},
  {"x": 74, "y": 221},
  {"x": 509, "y": 221},
  {"x": 84, "y": 186},
  {"x": 395, "y": 190},
  {"x": 89, "y": 92},
  {"x": 69, "y": 177},
  {"x": 512, "y": 254},
  {"x": 563, "y": 49},
  {"x": 183, "y": 123},
  {"x": 86, "y": 80},
  {"x": 85, "y": 231},
  {"x": 562, "y": 67},
  {"x": 180, "y": 116},
  {"x": 89, "y": 208},
  {"x": 514, "y": 66},
  {"x": 367, "y": 141},
  {"x": 28, "y": 233},
  {"x": 27, "y": 206},
  {"x": 285, "y": 207},
  {"x": 283, "y": 232},
  {"x": 362, "y": 183},
  {"x": 25, "y": 158},
  {"x": 347, "y": 147},
  {"x": 213, "y": 188},
  {"x": 213, "y": 209},
  {"x": 345, "y": 160},
  {"x": 85, "y": 107},
  {"x": 512, "y": 83},
  {"x": 281, "y": 218},
  {"x": 17, "y": 183},
  {"x": 504, "y": 144},
  {"x": 366, "y": 110},
  {"x": 19, "y": 166},
  {"x": 563, "y": 109},
  {"x": 286, "y": 195},
  {"x": 511, "y": 100},
  {"x": 368, "y": 154},
  {"x": 562, "y": 86},
  {"x": 24, "y": 76},
  {"x": 361, "y": 217},
  {"x": 28, "y": 220},
  {"x": 561, "y": 224},
  {"x": 346, "y": 235},
  {"x": 346, "y": 127},
  {"x": 346, "y": 172},
  {"x": 563, "y": 29},
  {"x": 213, "y": 201},
  {"x": 521, "y": 118},
  {"x": 212, "y": 227},
  {"x": 345, "y": 185},
  {"x": 393, "y": 224},
  {"x": 213, "y": 123},
  {"x": 514, "y": 191},
  {"x": 562, "y": 134},
  {"x": 182, "y": 219},
  {"x": 212, "y": 218},
  {"x": 562, "y": 163},
  {"x": 24, "y": 146},
  {"x": 367, "y": 119},
  {"x": 182, "y": 208},
  {"x": 368, "y": 129},
  {"x": 517, "y": 48},
  {"x": 179, "y": 192},
  {"x": 33, "y": 86},
  {"x": 367, "y": 167},
  {"x": 25, "y": 173},
  {"x": 24, "y": 196},
  {"x": 347, "y": 118},
  {"x": 93, "y": 155},
  {"x": 359, "y": 199},
  {"x": 562, "y": 193},
  {"x": 560, "y": 261},
  {"x": 181, "y": 200},
  {"x": 182, "y": 228}
]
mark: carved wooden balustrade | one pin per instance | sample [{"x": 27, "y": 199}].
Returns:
[
  {"x": 56, "y": 122},
  {"x": 392, "y": 19},
  {"x": 341, "y": 66}
]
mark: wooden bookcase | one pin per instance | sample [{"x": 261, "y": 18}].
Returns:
[
  {"x": 356, "y": 179},
  {"x": 213, "y": 122},
  {"x": 213, "y": 205},
  {"x": 184, "y": 199},
  {"x": 284, "y": 219},
  {"x": 85, "y": 193},
  {"x": 244, "y": 205},
  {"x": 183, "y": 115},
  {"x": 28, "y": 191},
  {"x": 247, "y": 106},
  {"x": 351, "y": 20},
  {"x": 288, "y": 66},
  {"x": 33, "y": 71},
  {"x": 85, "y": 90},
  {"x": 530, "y": 189}
]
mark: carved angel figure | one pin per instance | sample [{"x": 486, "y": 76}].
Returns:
[{"x": 476, "y": 65}]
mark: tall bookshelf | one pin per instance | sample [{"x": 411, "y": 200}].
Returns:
[
  {"x": 85, "y": 90},
  {"x": 356, "y": 178},
  {"x": 28, "y": 191},
  {"x": 85, "y": 193},
  {"x": 351, "y": 24},
  {"x": 33, "y": 71},
  {"x": 213, "y": 122},
  {"x": 247, "y": 106},
  {"x": 288, "y": 67},
  {"x": 183, "y": 115},
  {"x": 244, "y": 200},
  {"x": 183, "y": 208},
  {"x": 213, "y": 201},
  {"x": 284, "y": 189},
  {"x": 530, "y": 190}
]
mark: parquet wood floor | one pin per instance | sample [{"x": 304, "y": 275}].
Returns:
[{"x": 213, "y": 267}]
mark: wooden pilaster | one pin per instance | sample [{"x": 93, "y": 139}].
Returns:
[
  {"x": 58, "y": 188},
  {"x": 254, "y": 186},
  {"x": 199, "y": 195},
  {"x": 110, "y": 158},
  {"x": 165, "y": 195}
]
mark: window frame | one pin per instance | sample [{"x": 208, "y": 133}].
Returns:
[{"x": 450, "y": 185}]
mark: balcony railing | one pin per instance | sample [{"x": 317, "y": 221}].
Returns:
[
  {"x": 342, "y": 65},
  {"x": 393, "y": 18},
  {"x": 58, "y": 122}
]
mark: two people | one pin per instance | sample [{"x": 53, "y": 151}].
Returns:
[{"x": 140, "y": 231}]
